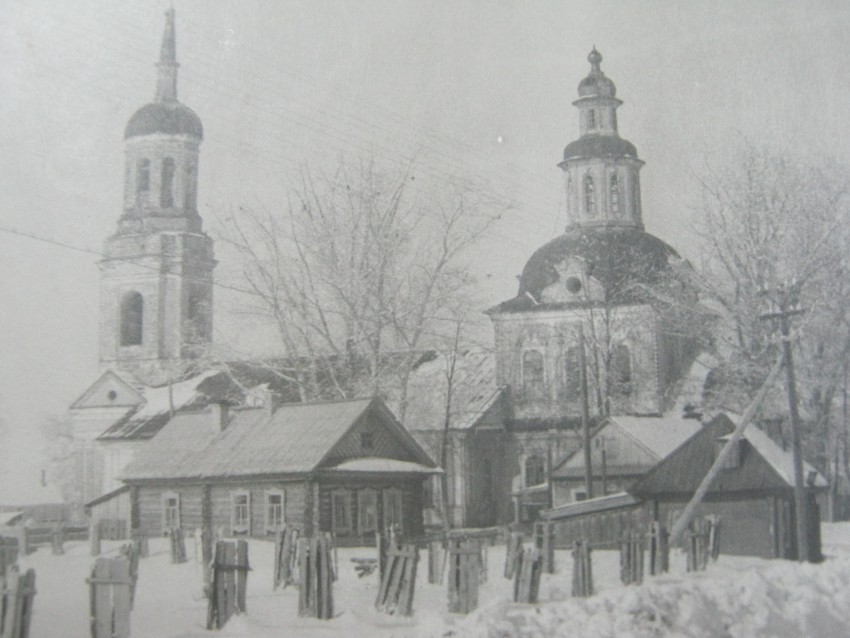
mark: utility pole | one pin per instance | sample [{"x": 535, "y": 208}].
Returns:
[
  {"x": 585, "y": 415},
  {"x": 787, "y": 305}
]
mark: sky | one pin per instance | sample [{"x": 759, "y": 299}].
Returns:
[{"x": 481, "y": 90}]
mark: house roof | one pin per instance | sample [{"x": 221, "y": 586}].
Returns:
[
  {"x": 600, "y": 504},
  {"x": 764, "y": 466},
  {"x": 379, "y": 465},
  {"x": 296, "y": 439},
  {"x": 474, "y": 391}
]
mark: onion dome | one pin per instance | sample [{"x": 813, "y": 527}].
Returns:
[
  {"x": 165, "y": 115},
  {"x": 623, "y": 260},
  {"x": 596, "y": 84}
]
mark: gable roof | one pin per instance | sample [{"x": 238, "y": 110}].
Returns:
[
  {"x": 474, "y": 391},
  {"x": 296, "y": 439},
  {"x": 764, "y": 465},
  {"x": 97, "y": 394}
]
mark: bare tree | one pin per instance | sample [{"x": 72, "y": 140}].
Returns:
[
  {"x": 356, "y": 273},
  {"x": 768, "y": 219}
]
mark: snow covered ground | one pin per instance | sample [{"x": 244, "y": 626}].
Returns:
[{"x": 735, "y": 597}]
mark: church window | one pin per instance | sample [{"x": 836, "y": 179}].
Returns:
[
  {"x": 614, "y": 187},
  {"x": 591, "y": 119},
  {"x": 143, "y": 180},
  {"x": 572, "y": 373},
  {"x": 132, "y": 319},
  {"x": 166, "y": 194},
  {"x": 197, "y": 317},
  {"x": 573, "y": 285},
  {"x": 621, "y": 370},
  {"x": 532, "y": 374},
  {"x": 589, "y": 196},
  {"x": 190, "y": 192},
  {"x": 535, "y": 471}
]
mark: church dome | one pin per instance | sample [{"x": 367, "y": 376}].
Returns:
[
  {"x": 622, "y": 260},
  {"x": 596, "y": 84},
  {"x": 169, "y": 118},
  {"x": 600, "y": 146}
]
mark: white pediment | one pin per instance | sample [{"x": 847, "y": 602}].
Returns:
[
  {"x": 109, "y": 391},
  {"x": 573, "y": 284}
]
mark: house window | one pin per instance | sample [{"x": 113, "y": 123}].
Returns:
[
  {"x": 170, "y": 511},
  {"x": 132, "y": 319},
  {"x": 341, "y": 512},
  {"x": 274, "y": 511},
  {"x": 589, "y": 196},
  {"x": 621, "y": 370},
  {"x": 614, "y": 188},
  {"x": 166, "y": 193},
  {"x": 591, "y": 119},
  {"x": 143, "y": 181},
  {"x": 190, "y": 189},
  {"x": 579, "y": 494},
  {"x": 367, "y": 511},
  {"x": 532, "y": 375},
  {"x": 535, "y": 471},
  {"x": 367, "y": 440},
  {"x": 392, "y": 509},
  {"x": 241, "y": 512}
]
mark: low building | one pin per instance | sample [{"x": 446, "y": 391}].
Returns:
[{"x": 347, "y": 467}]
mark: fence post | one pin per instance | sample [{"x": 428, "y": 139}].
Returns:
[
  {"x": 582, "y": 570},
  {"x": 110, "y": 598},
  {"x": 714, "y": 537},
  {"x": 178, "y": 546},
  {"x": 529, "y": 567},
  {"x": 464, "y": 573},
  {"x": 94, "y": 537},
  {"x": 659, "y": 549},
  {"x": 58, "y": 539},
  {"x": 512, "y": 553},
  {"x": 435, "y": 561}
]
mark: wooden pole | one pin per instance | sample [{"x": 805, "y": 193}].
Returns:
[
  {"x": 585, "y": 415},
  {"x": 684, "y": 519}
]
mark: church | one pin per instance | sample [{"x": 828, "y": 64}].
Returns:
[{"x": 582, "y": 336}]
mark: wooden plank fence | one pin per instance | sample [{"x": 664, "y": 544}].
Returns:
[
  {"x": 659, "y": 549},
  {"x": 315, "y": 589},
  {"x": 436, "y": 561},
  {"x": 17, "y": 592},
  {"x": 631, "y": 558},
  {"x": 131, "y": 553},
  {"x": 395, "y": 594},
  {"x": 140, "y": 540},
  {"x": 464, "y": 575},
  {"x": 529, "y": 567},
  {"x": 9, "y": 548},
  {"x": 702, "y": 542},
  {"x": 228, "y": 589},
  {"x": 112, "y": 529},
  {"x": 582, "y": 570},
  {"x": 286, "y": 557},
  {"x": 58, "y": 540},
  {"x": 178, "y": 545},
  {"x": 513, "y": 549},
  {"x": 110, "y": 598},
  {"x": 544, "y": 540}
]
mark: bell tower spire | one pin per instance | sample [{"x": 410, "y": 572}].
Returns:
[{"x": 166, "y": 84}]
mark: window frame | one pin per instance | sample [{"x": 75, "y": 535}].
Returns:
[
  {"x": 345, "y": 495},
  {"x": 393, "y": 494},
  {"x": 270, "y": 525},
  {"x": 541, "y": 469},
  {"x": 363, "y": 525},
  {"x": 537, "y": 391},
  {"x": 167, "y": 174},
  {"x": 131, "y": 319},
  {"x": 589, "y": 195},
  {"x": 243, "y": 528},
  {"x": 614, "y": 195},
  {"x": 143, "y": 180},
  {"x": 170, "y": 513}
]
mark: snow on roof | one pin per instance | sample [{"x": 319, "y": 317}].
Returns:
[
  {"x": 661, "y": 435},
  {"x": 780, "y": 460},
  {"x": 474, "y": 391},
  {"x": 10, "y": 518},
  {"x": 374, "y": 464},
  {"x": 599, "y": 504}
]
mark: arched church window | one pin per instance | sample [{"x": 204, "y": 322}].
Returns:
[
  {"x": 621, "y": 370},
  {"x": 614, "y": 188},
  {"x": 589, "y": 196},
  {"x": 591, "y": 119},
  {"x": 572, "y": 373},
  {"x": 190, "y": 192},
  {"x": 166, "y": 193},
  {"x": 132, "y": 319},
  {"x": 535, "y": 471},
  {"x": 197, "y": 318},
  {"x": 532, "y": 375},
  {"x": 143, "y": 180}
]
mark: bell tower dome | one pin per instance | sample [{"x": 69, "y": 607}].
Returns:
[
  {"x": 601, "y": 168},
  {"x": 156, "y": 278}
]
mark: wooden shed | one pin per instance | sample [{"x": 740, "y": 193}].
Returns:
[
  {"x": 754, "y": 493},
  {"x": 348, "y": 467}
]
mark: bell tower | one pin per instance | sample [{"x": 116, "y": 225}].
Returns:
[{"x": 157, "y": 275}]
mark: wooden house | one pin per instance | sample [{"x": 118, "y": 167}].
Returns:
[
  {"x": 753, "y": 494},
  {"x": 348, "y": 467},
  {"x": 622, "y": 450}
]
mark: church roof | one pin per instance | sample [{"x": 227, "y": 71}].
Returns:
[
  {"x": 600, "y": 146},
  {"x": 622, "y": 259},
  {"x": 167, "y": 118}
]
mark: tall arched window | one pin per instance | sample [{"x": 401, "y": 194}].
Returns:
[
  {"x": 190, "y": 190},
  {"x": 532, "y": 374},
  {"x": 614, "y": 189},
  {"x": 591, "y": 119},
  {"x": 197, "y": 318},
  {"x": 621, "y": 370},
  {"x": 143, "y": 180},
  {"x": 589, "y": 196},
  {"x": 132, "y": 319},
  {"x": 572, "y": 373},
  {"x": 535, "y": 471},
  {"x": 166, "y": 193}
]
